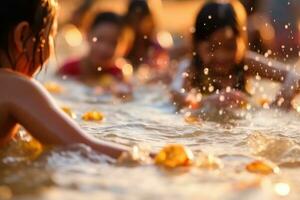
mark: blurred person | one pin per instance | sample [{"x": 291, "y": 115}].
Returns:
[
  {"x": 259, "y": 35},
  {"x": 218, "y": 70},
  {"x": 143, "y": 47},
  {"x": 99, "y": 67},
  {"x": 284, "y": 16}
]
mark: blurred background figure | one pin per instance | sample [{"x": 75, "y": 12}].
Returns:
[
  {"x": 107, "y": 28},
  {"x": 218, "y": 71},
  {"x": 101, "y": 65},
  {"x": 285, "y": 18},
  {"x": 159, "y": 30},
  {"x": 260, "y": 36},
  {"x": 72, "y": 27},
  {"x": 79, "y": 14},
  {"x": 273, "y": 28},
  {"x": 143, "y": 47}
]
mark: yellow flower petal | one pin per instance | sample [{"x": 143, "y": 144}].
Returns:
[
  {"x": 92, "y": 116},
  {"x": 174, "y": 155}
]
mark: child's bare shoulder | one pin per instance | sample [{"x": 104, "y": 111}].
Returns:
[
  {"x": 15, "y": 85},
  {"x": 16, "y": 81}
]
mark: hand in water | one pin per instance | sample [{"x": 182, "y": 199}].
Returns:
[
  {"x": 221, "y": 107},
  {"x": 290, "y": 89},
  {"x": 232, "y": 99}
]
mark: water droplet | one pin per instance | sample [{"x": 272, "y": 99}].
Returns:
[
  {"x": 211, "y": 88},
  {"x": 269, "y": 51},
  {"x": 266, "y": 55},
  {"x": 221, "y": 112},
  {"x": 280, "y": 101},
  {"x": 282, "y": 189},
  {"x": 248, "y": 106},
  {"x": 228, "y": 89},
  {"x": 222, "y": 98},
  {"x": 270, "y": 64},
  {"x": 206, "y": 71},
  {"x": 185, "y": 75},
  {"x": 258, "y": 77},
  {"x": 198, "y": 97},
  {"x": 95, "y": 39}
]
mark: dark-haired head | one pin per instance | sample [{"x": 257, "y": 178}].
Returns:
[
  {"x": 138, "y": 8},
  {"x": 103, "y": 36},
  {"x": 219, "y": 42},
  {"x": 26, "y": 31},
  {"x": 220, "y": 36},
  {"x": 215, "y": 16},
  {"x": 139, "y": 18},
  {"x": 107, "y": 17}
]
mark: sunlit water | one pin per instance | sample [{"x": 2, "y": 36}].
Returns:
[{"x": 76, "y": 172}]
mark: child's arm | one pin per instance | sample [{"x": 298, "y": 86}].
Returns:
[
  {"x": 180, "y": 83},
  {"x": 275, "y": 71},
  {"x": 265, "y": 67},
  {"x": 32, "y": 107},
  {"x": 178, "y": 99}
]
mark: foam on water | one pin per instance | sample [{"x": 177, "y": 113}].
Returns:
[{"x": 77, "y": 172}]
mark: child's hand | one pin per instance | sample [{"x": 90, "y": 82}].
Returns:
[
  {"x": 289, "y": 90},
  {"x": 232, "y": 99}
]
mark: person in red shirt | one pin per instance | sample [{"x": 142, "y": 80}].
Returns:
[{"x": 99, "y": 67}]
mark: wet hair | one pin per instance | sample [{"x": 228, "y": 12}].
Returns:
[
  {"x": 212, "y": 17},
  {"x": 38, "y": 13},
  {"x": 106, "y": 17}
]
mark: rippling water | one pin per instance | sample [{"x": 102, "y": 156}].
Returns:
[{"x": 76, "y": 172}]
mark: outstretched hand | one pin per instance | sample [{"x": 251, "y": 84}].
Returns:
[
  {"x": 232, "y": 99},
  {"x": 289, "y": 90}
]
